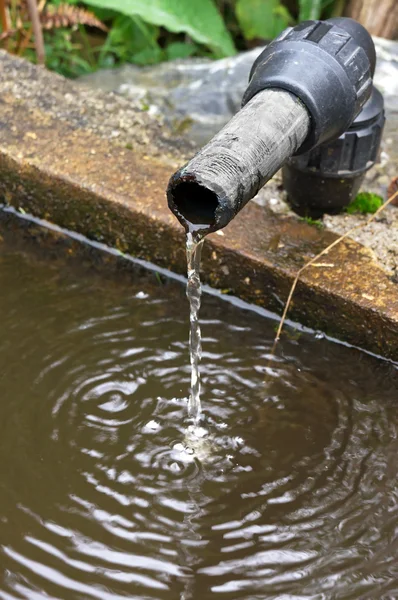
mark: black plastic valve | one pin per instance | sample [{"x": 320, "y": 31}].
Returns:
[{"x": 327, "y": 178}]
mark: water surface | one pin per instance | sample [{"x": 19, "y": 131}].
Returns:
[{"x": 292, "y": 493}]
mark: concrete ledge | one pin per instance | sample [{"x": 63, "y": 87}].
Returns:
[{"x": 77, "y": 176}]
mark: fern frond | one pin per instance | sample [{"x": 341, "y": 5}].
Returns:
[{"x": 66, "y": 15}]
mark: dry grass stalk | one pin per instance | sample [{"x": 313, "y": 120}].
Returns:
[{"x": 315, "y": 260}]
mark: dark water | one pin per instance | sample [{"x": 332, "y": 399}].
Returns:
[{"x": 293, "y": 494}]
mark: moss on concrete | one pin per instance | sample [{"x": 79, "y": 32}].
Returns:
[{"x": 365, "y": 203}]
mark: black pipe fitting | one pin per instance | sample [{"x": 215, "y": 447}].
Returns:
[
  {"x": 306, "y": 107},
  {"x": 327, "y": 178},
  {"x": 328, "y": 65}
]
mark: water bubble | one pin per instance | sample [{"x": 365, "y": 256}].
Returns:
[
  {"x": 175, "y": 467},
  {"x": 151, "y": 426},
  {"x": 141, "y": 295}
]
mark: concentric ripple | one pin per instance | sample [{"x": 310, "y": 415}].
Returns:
[{"x": 287, "y": 489}]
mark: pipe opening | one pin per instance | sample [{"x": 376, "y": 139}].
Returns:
[{"x": 196, "y": 203}]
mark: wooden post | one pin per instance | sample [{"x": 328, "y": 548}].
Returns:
[
  {"x": 3, "y": 16},
  {"x": 380, "y": 17},
  {"x": 37, "y": 30}
]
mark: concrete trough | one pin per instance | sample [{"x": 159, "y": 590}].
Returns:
[{"x": 93, "y": 163}]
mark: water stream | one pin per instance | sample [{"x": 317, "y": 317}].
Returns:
[{"x": 194, "y": 292}]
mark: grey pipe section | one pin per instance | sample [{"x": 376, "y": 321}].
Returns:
[{"x": 217, "y": 183}]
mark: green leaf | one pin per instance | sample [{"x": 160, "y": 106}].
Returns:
[
  {"x": 180, "y": 50},
  {"x": 313, "y": 9},
  {"x": 129, "y": 37},
  {"x": 200, "y": 19},
  {"x": 148, "y": 56},
  {"x": 309, "y": 9},
  {"x": 63, "y": 56},
  {"x": 263, "y": 19}
]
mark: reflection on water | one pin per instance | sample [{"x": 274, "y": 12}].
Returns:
[{"x": 291, "y": 492}]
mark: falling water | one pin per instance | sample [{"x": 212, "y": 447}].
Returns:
[{"x": 194, "y": 291}]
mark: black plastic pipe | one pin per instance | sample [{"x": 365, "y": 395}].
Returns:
[
  {"x": 214, "y": 186},
  {"x": 306, "y": 88}
]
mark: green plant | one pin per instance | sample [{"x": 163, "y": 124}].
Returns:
[
  {"x": 20, "y": 19},
  {"x": 313, "y": 9},
  {"x": 72, "y": 40},
  {"x": 265, "y": 19},
  {"x": 313, "y": 222},
  {"x": 130, "y": 40},
  {"x": 199, "y": 19},
  {"x": 365, "y": 203},
  {"x": 66, "y": 55},
  {"x": 259, "y": 19}
]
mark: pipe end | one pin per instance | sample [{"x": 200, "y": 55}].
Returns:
[{"x": 194, "y": 204}]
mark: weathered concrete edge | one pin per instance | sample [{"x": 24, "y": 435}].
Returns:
[
  {"x": 354, "y": 322},
  {"x": 89, "y": 193}
]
